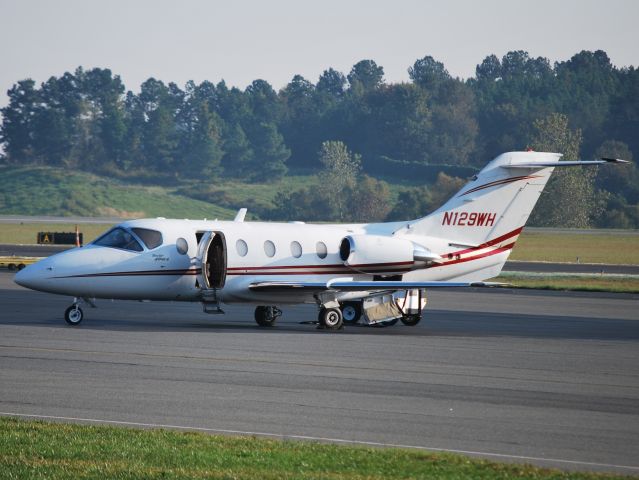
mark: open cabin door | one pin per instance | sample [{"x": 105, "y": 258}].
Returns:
[{"x": 211, "y": 253}]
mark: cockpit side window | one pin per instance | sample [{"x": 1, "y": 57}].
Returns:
[
  {"x": 119, "y": 238},
  {"x": 151, "y": 238}
]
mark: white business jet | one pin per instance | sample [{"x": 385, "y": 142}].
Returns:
[{"x": 374, "y": 273}]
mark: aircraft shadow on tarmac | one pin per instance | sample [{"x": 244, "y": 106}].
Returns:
[{"x": 436, "y": 323}]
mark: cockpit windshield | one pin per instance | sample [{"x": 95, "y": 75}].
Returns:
[
  {"x": 151, "y": 238},
  {"x": 119, "y": 238}
]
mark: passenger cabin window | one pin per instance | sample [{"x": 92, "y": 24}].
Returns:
[
  {"x": 119, "y": 238},
  {"x": 241, "y": 247},
  {"x": 269, "y": 248},
  {"x": 151, "y": 238},
  {"x": 296, "y": 249},
  {"x": 182, "y": 246},
  {"x": 321, "y": 249}
]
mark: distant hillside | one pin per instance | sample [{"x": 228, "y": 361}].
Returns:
[{"x": 55, "y": 191}]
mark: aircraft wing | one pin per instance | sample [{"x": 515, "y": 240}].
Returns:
[{"x": 354, "y": 286}]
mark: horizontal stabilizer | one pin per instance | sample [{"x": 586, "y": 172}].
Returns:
[
  {"x": 353, "y": 286},
  {"x": 567, "y": 163}
]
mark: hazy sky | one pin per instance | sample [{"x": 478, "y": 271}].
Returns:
[{"x": 239, "y": 41}]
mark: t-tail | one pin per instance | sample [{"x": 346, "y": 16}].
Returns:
[{"x": 491, "y": 210}]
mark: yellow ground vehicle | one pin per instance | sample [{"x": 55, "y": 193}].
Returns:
[{"x": 14, "y": 262}]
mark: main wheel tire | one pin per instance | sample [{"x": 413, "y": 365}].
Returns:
[
  {"x": 265, "y": 316},
  {"x": 411, "y": 320},
  {"x": 331, "y": 318},
  {"x": 73, "y": 315},
  {"x": 351, "y": 312}
]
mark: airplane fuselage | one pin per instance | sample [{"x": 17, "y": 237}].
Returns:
[{"x": 253, "y": 251}]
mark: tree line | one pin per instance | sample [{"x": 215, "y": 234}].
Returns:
[{"x": 88, "y": 120}]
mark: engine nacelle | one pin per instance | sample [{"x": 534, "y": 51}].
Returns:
[{"x": 380, "y": 255}]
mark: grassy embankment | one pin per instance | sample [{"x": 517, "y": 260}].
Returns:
[
  {"x": 55, "y": 191},
  {"x": 50, "y": 191},
  {"x": 33, "y": 449}
]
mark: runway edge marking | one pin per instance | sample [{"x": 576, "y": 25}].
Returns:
[{"x": 319, "y": 439}]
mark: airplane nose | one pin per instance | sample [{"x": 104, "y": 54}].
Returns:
[
  {"x": 26, "y": 277},
  {"x": 35, "y": 276}
]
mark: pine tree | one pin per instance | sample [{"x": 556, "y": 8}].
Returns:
[{"x": 569, "y": 200}]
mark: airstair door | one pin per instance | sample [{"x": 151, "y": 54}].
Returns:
[{"x": 211, "y": 254}]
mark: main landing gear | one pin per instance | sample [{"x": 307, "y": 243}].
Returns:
[
  {"x": 411, "y": 320},
  {"x": 266, "y": 315},
  {"x": 330, "y": 318}
]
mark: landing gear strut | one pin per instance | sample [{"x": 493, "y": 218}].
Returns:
[{"x": 266, "y": 315}]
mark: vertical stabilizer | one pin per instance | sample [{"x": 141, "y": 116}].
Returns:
[{"x": 495, "y": 203}]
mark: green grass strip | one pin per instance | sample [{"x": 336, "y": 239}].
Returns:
[
  {"x": 27, "y": 233},
  {"x": 36, "y": 449},
  {"x": 593, "y": 283},
  {"x": 578, "y": 247}
]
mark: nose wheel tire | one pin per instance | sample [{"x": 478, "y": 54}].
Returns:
[
  {"x": 265, "y": 315},
  {"x": 73, "y": 315},
  {"x": 351, "y": 312},
  {"x": 331, "y": 318}
]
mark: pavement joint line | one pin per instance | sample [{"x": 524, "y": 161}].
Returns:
[{"x": 319, "y": 439}]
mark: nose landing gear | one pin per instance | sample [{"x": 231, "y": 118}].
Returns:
[{"x": 73, "y": 315}]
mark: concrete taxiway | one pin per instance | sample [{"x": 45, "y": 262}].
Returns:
[{"x": 540, "y": 377}]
